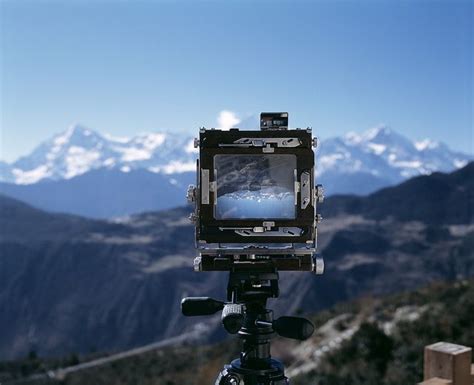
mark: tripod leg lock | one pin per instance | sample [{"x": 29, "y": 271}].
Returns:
[{"x": 196, "y": 306}]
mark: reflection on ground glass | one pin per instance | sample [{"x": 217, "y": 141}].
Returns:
[{"x": 255, "y": 186}]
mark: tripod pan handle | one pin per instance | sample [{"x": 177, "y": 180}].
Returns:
[
  {"x": 194, "y": 306},
  {"x": 294, "y": 327}
]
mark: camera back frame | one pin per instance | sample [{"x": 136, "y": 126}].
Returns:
[{"x": 256, "y": 243}]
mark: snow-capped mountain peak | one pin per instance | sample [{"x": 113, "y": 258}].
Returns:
[
  {"x": 80, "y": 149},
  {"x": 75, "y": 134},
  {"x": 382, "y": 134},
  {"x": 116, "y": 139},
  {"x": 383, "y": 153},
  {"x": 426, "y": 144},
  {"x": 379, "y": 153},
  {"x": 377, "y": 133}
]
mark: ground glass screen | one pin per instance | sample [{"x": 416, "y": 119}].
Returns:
[{"x": 255, "y": 186}]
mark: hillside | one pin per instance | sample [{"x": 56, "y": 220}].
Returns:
[
  {"x": 105, "y": 193},
  {"x": 436, "y": 199},
  {"x": 75, "y": 285},
  {"x": 365, "y": 342}
]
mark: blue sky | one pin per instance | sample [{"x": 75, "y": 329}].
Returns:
[{"x": 124, "y": 67}]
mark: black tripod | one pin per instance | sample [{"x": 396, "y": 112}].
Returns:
[{"x": 245, "y": 313}]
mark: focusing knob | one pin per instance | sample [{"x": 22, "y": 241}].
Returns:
[
  {"x": 318, "y": 265},
  {"x": 319, "y": 192},
  {"x": 191, "y": 194}
]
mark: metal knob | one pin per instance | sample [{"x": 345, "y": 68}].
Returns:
[
  {"x": 318, "y": 265},
  {"x": 191, "y": 194},
  {"x": 197, "y": 264},
  {"x": 192, "y": 217},
  {"x": 319, "y": 193}
]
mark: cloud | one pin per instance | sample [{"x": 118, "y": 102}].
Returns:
[{"x": 227, "y": 119}]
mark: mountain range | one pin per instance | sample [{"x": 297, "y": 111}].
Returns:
[
  {"x": 79, "y": 150},
  {"x": 362, "y": 163},
  {"x": 73, "y": 284},
  {"x": 83, "y": 172}
]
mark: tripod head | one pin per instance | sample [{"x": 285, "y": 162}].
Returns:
[
  {"x": 296, "y": 328},
  {"x": 246, "y": 314},
  {"x": 248, "y": 294}
]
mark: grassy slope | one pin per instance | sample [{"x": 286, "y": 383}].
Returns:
[{"x": 372, "y": 357}]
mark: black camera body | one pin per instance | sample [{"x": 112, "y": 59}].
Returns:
[{"x": 256, "y": 198}]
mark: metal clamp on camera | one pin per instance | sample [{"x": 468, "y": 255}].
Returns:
[{"x": 255, "y": 215}]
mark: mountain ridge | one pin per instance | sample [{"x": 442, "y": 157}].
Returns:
[
  {"x": 105, "y": 193},
  {"x": 413, "y": 198},
  {"x": 383, "y": 153},
  {"x": 72, "y": 284},
  {"x": 79, "y": 150},
  {"x": 83, "y": 172},
  {"x": 377, "y": 151}
]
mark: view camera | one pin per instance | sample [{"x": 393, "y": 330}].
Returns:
[
  {"x": 255, "y": 215},
  {"x": 255, "y": 198}
]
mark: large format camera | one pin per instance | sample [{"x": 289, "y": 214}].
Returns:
[
  {"x": 255, "y": 215},
  {"x": 255, "y": 199}
]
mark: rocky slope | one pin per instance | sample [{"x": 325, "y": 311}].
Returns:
[{"x": 365, "y": 342}]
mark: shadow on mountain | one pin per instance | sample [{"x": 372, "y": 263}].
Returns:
[{"x": 70, "y": 284}]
